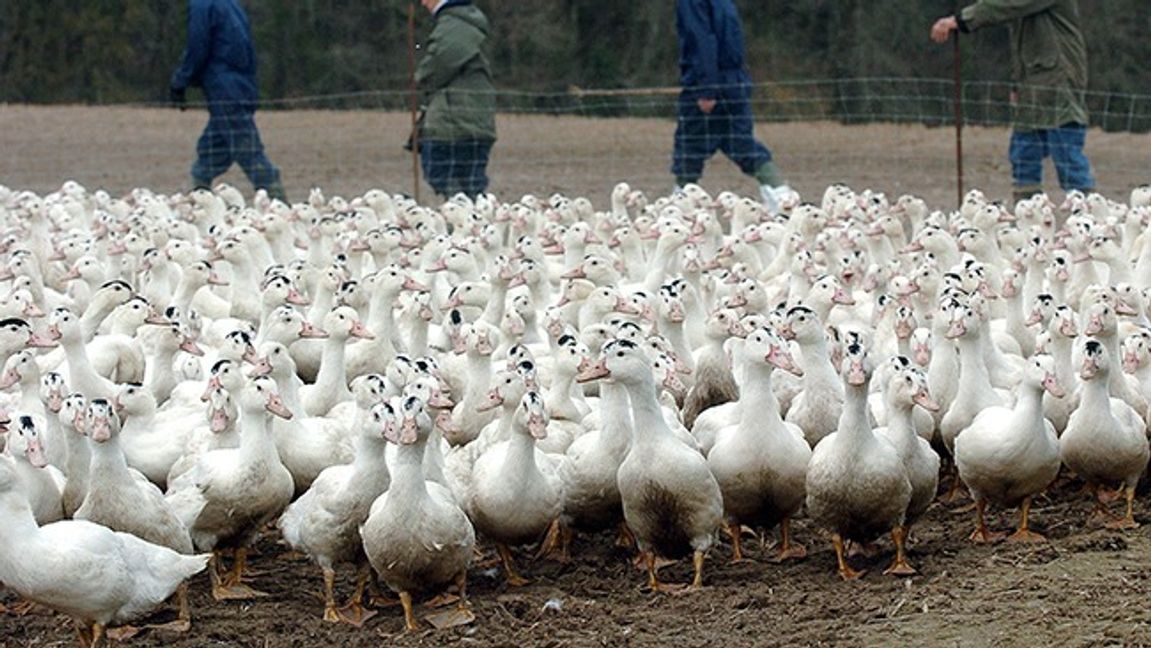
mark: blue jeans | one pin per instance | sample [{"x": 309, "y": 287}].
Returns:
[
  {"x": 1064, "y": 145},
  {"x": 728, "y": 128},
  {"x": 231, "y": 137},
  {"x": 459, "y": 166}
]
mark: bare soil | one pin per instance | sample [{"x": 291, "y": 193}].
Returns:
[
  {"x": 347, "y": 153},
  {"x": 1086, "y": 587}
]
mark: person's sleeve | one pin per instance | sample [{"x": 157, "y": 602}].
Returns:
[
  {"x": 198, "y": 46},
  {"x": 701, "y": 47},
  {"x": 995, "y": 12},
  {"x": 448, "y": 50}
]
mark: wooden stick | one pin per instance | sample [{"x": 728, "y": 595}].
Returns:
[
  {"x": 414, "y": 101},
  {"x": 958, "y": 119}
]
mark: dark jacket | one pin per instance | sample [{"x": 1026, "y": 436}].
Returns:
[
  {"x": 1048, "y": 57},
  {"x": 455, "y": 77},
  {"x": 711, "y": 57},
  {"x": 219, "y": 56}
]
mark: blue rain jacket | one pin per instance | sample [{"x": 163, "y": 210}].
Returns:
[
  {"x": 220, "y": 56},
  {"x": 711, "y": 58}
]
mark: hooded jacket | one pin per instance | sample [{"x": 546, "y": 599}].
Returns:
[
  {"x": 1048, "y": 57},
  {"x": 455, "y": 77},
  {"x": 219, "y": 56},
  {"x": 711, "y": 57}
]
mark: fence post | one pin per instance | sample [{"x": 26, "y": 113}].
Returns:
[
  {"x": 413, "y": 101},
  {"x": 958, "y": 119}
]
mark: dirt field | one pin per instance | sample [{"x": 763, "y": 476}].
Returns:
[
  {"x": 347, "y": 153},
  {"x": 1084, "y": 588}
]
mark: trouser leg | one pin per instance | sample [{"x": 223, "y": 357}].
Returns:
[{"x": 1066, "y": 146}]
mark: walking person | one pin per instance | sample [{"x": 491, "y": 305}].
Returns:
[
  {"x": 714, "y": 107},
  {"x": 458, "y": 124},
  {"x": 220, "y": 58},
  {"x": 1049, "y": 63}
]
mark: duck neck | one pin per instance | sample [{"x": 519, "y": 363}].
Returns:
[
  {"x": 615, "y": 417},
  {"x": 559, "y": 398},
  {"x": 1096, "y": 396},
  {"x": 854, "y": 423},
  {"x": 817, "y": 362},
  {"x": 108, "y": 463},
  {"x": 972, "y": 368},
  {"x": 19, "y": 523},
  {"x": 497, "y": 302},
  {"x": 1030, "y": 402},
  {"x": 408, "y": 482},
  {"x": 479, "y": 377},
  {"x": 256, "y": 441},
  {"x": 79, "y": 455},
  {"x": 333, "y": 372},
  {"x": 288, "y": 385},
  {"x": 648, "y": 423},
  {"x": 757, "y": 389},
  {"x": 899, "y": 420}
]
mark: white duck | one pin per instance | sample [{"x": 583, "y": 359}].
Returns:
[
  {"x": 122, "y": 502},
  {"x": 84, "y": 570},
  {"x": 761, "y": 462},
  {"x": 671, "y": 501},
  {"x": 234, "y": 492},
  {"x": 516, "y": 493},
  {"x": 41, "y": 483},
  {"x": 325, "y": 521},
  {"x": 1105, "y": 442},
  {"x": 331, "y": 386},
  {"x": 416, "y": 537},
  {"x": 857, "y": 484},
  {"x": 906, "y": 387},
  {"x": 306, "y": 444},
  {"x": 1007, "y": 455},
  {"x": 817, "y": 407}
]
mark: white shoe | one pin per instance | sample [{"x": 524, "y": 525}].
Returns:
[{"x": 770, "y": 199}]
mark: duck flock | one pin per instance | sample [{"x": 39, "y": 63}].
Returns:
[{"x": 392, "y": 388}]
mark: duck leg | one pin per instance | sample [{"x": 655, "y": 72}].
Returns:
[
  {"x": 788, "y": 550},
  {"x": 1024, "y": 533},
  {"x": 183, "y": 622},
  {"x": 845, "y": 570},
  {"x": 556, "y": 543},
  {"x": 97, "y": 634},
  {"x": 1127, "y": 521},
  {"x": 697, "y": 568},
  {"x": 982, "y": 534},
  {"x": 462, "y": 614},
  {"x": 409, "y": 616},
  {"x": 232, "y": 587},
  {"x": 955, "y": 492},
  {"x": 330, "y": 614},
  {"x": 514, "y": 578},
  {"x": 900, "y": 567},
  {"x": 625, "y": 539},
  {"x": 735, "y": 530},
  {"x": 1099, "y": 516},
  {"x": 354, "y": 612},
  {"x": 653, "y": 583}
]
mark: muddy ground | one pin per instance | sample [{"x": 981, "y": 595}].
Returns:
[{"x": 1087, "y": 587}]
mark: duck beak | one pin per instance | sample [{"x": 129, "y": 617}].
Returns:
[
  {"x": 923, "y": 399},
  {"x": 856, "y": 375},
  {"x": 361, "y": 331},
  {"x": 218, "y": 421},
  {"x": 538, "y": 426},
  {"x": 261, "y": 368},
  {"x": 189, "y": 346},
  {"x": 309, "y": 331},
  {"x": 1051, "y": 384},
  {"x": 1090, "y": 368},
  {"x": 593, "y": 372},
  {"x": 957, "y": 329},
  {"x": 11, "y": 377},
  {"x": 276, "y": 406},
  {"x": 213, "y": 386},
  {"x": 782, "y": 359},
  {"x": 99, "y": 431},
  {"x": 495, "y": 399}
]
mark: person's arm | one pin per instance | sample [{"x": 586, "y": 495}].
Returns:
[
  {"x": 448, "y": 50},
  {"x": 198, "y": 47},
  {"x": 995, "y": 12},
  {"x": 701, "y": 49},
  {"x": 984, "y": 13}
]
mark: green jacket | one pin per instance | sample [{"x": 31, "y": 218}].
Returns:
[
  {"x": 455, "y": 77},
  {"x": 1048, "y": 55}
]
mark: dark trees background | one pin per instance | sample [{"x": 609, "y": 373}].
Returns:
[{"x": 116, "y": 51}]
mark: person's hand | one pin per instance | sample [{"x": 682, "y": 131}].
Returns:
[
  {"x": 178, "y": 97},
  {"x": 942, "y": 29},
  {"x": 706, "y": 105}
]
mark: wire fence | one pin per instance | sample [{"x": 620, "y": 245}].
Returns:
[{"x": 883, "y": 133}]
